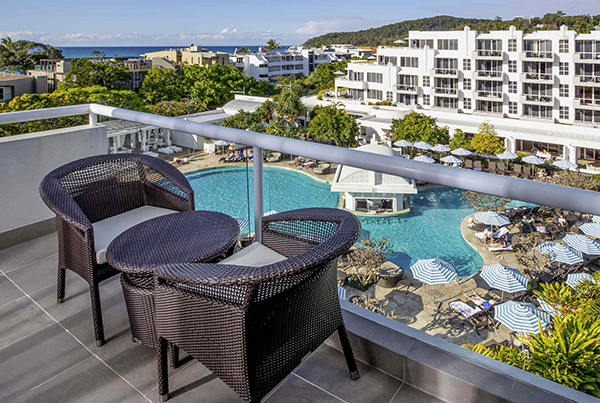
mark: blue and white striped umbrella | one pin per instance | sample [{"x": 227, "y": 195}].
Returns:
[
  {"x": 574, "y": 279},
  {"x": 268, "y": 213},
  {"x": 492, "y": 218},
  {"x": 433, "y": 271},
  {"x": 596, "y": 219},
  {"x": 241, "y": 222},
  {"x": 461, "y": 152},
  {"x": 504, "y": 278},
  {"x": 583, "y": 244},
  {"x": 544, "y": 306},
  {"x": 521, "y": 317},
  {"x": 560, "y": 252},
  {"x": 424, "y": 158},
  {"x": 590, "y": 229},
  {"x": 421, "y": 145},
  {"x": 341, "y": 293}
]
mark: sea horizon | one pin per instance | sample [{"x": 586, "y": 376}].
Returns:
[{"x": 74, "y": 52}]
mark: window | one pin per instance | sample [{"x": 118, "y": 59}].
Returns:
[
  {"x": 389, "y": 96},
  {"x": 447, "y": 44},
  {"x": 563, "y": 90},
  {"x": 467, "y": 84},
  {"x": 375, "y": 94},
  {"x": 421, "y": 43},
  {"x": 512, "y": 87},
  {"x": 512, "y": 66},
  {"x": 512, "y": 45},
  {"x": 563, "y": 46},
  {"x": 563, "y": 69},
  {"x": 512, "y": 108},
  {"x": 466, "y": 64},
  {"x": 1, "y": 93},
  {"x": 426, "y": 81},
  {"x": 374, "y": 77},
  {"x": 467, "y": 103},
  {"x": 409, "y": 62},
  {"x": 563, "y": 112},
  {"x": 426, "y": 100}
]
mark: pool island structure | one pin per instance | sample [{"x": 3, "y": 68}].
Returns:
[{"x": 370, "y": 192}]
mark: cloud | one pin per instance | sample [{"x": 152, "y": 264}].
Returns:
[{"x": 319, "y": 27}]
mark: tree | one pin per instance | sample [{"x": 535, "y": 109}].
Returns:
[
  {"x": 486, "y": 141},
  {"x": 416, "y": 126},
  {"x": 332, "y": 123},
  {"x": 272, "y": 45},
  {"x": 288, "y": 106},
  {"x": 243, "y": 50},
  {"x": 20, "y": 56},
  {"x": 99, "y": 70},
  {"x": 242, "y": 120},
  {"x": 162, "y": 85},
  {"x": 323, "y": 77},
  {"x": 367, "y": 259},
  {"x": 177, "y": 108},
  {"x": 460, "y": 140},
  {"x": 485, "y": 202}
]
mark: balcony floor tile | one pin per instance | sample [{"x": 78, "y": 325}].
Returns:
[
  {"x": 20, "y": 255},
  {"x": 37, "y": 275},
  {"x": 8, "y": 291},
  {"x": 408, "y": 394},
  {"x": 297, "y": 390},
  {"x": 19, "y": 319}
]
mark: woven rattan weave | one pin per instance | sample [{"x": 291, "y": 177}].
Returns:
[
  {"x": 92, "y": 189},
  {"x": 252, "y": 326}
]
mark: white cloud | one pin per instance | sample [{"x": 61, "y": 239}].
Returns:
[{"x": 319, "y": 27}]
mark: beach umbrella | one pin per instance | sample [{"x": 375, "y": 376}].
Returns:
[
  {"x": 544, "y": 306},
  {"x": 424, "y": 158},
  {"x": 222, "y": 143},
  {"x": 421, "y": 145},
  {"x": 533, "y": 160},
  {"x": 451, "y": 159},
  {"x": 341, "y": 293},
  {"x": 339, "y": 73},
  {"x": 268, "y": 213},
  {"x": 564, "y": 164},
  {"x": 241, "y": 222},
  {"x": 522, "y": 317},
  {"x": 574, "y": 279},
  {"x": 403, "y": 143},
  {"x": 492, "y": 218},
  {"x": 399, "y": 41},
  {"x": 504, "y": 278},
  {"x": 433, "y": 271},
  {"x": 461, "y": 152},
  {"x": 590, "y": 229},
  {"x": 440, "y": 148},
  {"x": 596, "y": 219},
  {"x": 507, "y": 155},
  {"x": 371, "y": 58},
  {"x": 560, "y": 252},
  {"x": 583, "y": 244}
]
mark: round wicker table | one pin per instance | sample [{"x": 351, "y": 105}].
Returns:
[{"x": 185, "y": 237}]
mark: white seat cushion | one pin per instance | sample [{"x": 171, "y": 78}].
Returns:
[
  {"x": 108, "y": 229},
  {"x": 255, "y": 255}
]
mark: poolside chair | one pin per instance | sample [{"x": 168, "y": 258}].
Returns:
[
  {"x": 322, "y": 169},
  {"x": 507, "y": 248},
  {"x": 477, "y": 166},
  {"x": 517, "y": 170},
  {"x": 273, "y": 157},
  {"x": 469, "y": 164},
  {"x": 97, "y": 198},
  {"x": 501, "y": 168},
  {"x": 251, "y": 318},
  {"x": 476, "y": 317},
  {"x": 526, "y": 173},
  {"x": 492, "y": 167}
]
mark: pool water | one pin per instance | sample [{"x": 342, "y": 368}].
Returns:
[{"x": 430, "y": 230}]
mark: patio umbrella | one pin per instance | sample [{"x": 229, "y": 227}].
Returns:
[
  {"x": 461, "y": 152},
  {"x": 492, "y": 218},
  {"x": 564, "y": 164},
  {"x": 424, "y": 158},
  {"x": 403, "y": 143},
  {"x": 590, "y": 229},
  {"x": 574, "y": 279},
  {"x": 339, "y": 73},
  {"x": 268, "y": 213},
  {"x": 241, "y": 222},
  {"x": 222, "y": 143},
  {"x": 371, "y": 58},
  {"x": 560, "y": 252},
  {"x": 583, "y": 244},
  {"x": 433, "y": 271},
  {"x": 399, "y": 41},
  {"x": 544, "y": 306},
  {"x": 533, "y": 160},
  {"x": 507, "y": 155},
  {"x": 440, "y": 148},
  {"x": 451, "y": 159},
  {"x": 421, "y": 145},
  {"x": 504, "y": 278},
  {"x": 596, "y": 219},
  {"x": 522, "y": 317}
]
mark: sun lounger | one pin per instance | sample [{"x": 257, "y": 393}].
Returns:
[
  {"x": 274, "y": 157},
  {"x": 322, "y": 169},
  {"x": 508, "y": 247},
  {"x": 151, "y": 153},
  {"x": 175, "y": 148},
  {"x": 477, "y": 166},
  {"x": 165, "y": 150},
  {"x": 464, "y": 309}
]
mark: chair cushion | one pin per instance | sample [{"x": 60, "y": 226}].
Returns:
[
  {"x": 108, "y": 229},
  {"x": 255, "y": 255}
]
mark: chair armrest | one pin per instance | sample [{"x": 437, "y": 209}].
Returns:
[
  {"x": 178, "y": 184},
  {"x": 62, "y": 204}
]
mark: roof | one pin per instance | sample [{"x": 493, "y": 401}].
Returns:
[
  {"x": 352, "y": 179},
  {"x": 8, "y": 76}
]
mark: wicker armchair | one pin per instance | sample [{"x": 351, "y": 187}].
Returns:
[
  {"x": 86, "y": 193},
  {"x": 252, "y": 325}
]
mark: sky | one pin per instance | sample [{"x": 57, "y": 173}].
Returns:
[{"x": 243, "y": 23}]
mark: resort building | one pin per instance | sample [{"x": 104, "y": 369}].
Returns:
[
  {"x": 191, "y": 55},
  {"x": 373, "y": 192},
  {"x": 347, "y": 52},
  {"x": 298, "y": 61},
  {"x": 14, "y": 85}
]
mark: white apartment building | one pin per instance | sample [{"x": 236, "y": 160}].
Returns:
[
  {"x": 268, "y": 65},
  {"x": 545, "y": 76}
]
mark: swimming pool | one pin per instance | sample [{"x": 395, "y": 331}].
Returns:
[{"x": 430, "y": 230}]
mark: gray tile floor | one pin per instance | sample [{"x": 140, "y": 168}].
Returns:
[{"x": 48, "y": 351}]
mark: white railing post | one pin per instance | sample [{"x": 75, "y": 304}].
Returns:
[
  {"x": 93, "y": 119},
  {"x": 258, "y": 192}
]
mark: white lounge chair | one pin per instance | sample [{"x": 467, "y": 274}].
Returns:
[
  {"x": 508, "y": 247},
  {"x": 151, "y": 153},
  {"x": 464, "y": 309},
  {"x": 165, "y": 150}
]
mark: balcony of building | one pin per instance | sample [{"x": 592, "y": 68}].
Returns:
[
  {"x": 407, "y": 89},
  {"x": 444, "y": 73},
  {"x": 537, "y": 99},
  {"x": 587, "y": 80},
  {"x": 488, "y": 95},
  {"x": 587, "y": 103},
  {"x": 488, "y": 54},
  {"x": 493, "y": 75},
  {"x": 537, "y": 78},
  {"x": 352, "y": 84},
  {"x": 447, "y": 91},
  {"x": 48, "y": 352},
  {"x": 537, "y": 56},
  {"x": 586, "y": 57}
]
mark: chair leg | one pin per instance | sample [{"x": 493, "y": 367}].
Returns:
[
  {"x": 97, "y": 314},
  {"x": 174, "y": 355},
  {"x": 350, "y": 361},
  {"x": 163, "y": 369},
  {"x": 60, "y": 286}
]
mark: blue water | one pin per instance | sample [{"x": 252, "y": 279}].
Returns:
[
  {"x": 430, "y": 230},
  {"x": 73, "y": 52}
]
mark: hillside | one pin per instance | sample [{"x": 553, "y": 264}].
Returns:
[{"x": 387, "y": 34}]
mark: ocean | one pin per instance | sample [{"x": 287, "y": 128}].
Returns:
[{"x": 74, "y": 52}]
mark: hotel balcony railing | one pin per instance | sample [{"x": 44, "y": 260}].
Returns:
[
  {"x": 489, "y": 74},
  {"x": 536, "y": 77},
  {"x": 444, "y": 72},
  {"x": 587, "y": 103},
  {"x": 534, "y": 55},
  {"x": 488, "y": 94},
  {"x": 587, "y": 57},
  {"x": 355, "y": 84},
  {"x": 537, "y": 99},
  {"x": 587, "y": 80},
  {"x": 488, "y": 54},
  {"x": 446, "y": 91},
  {"x": 412, "y": 89}
]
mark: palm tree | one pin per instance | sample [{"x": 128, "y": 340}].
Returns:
[
  {"x": 20, "y": 56},
  {"x": 272, "y": 45},
  {"x": 244, "y": 50}
]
